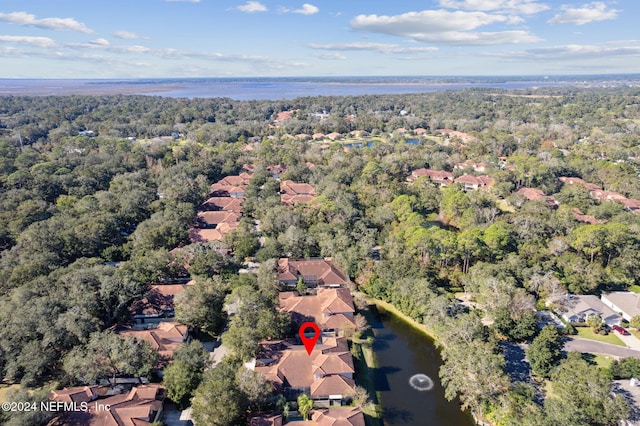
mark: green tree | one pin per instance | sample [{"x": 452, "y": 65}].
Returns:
[
  {"x": 305, "y": 404},
  {"x": 200, "y": 305},
  {"x": 218, "y": 401},
  {"x": 545, "y": 351},
  {"x": 582, "y": 395},
  {"x": 184, "y": 374}
]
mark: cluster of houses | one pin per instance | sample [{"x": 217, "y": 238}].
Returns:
[
  {"x": 444, "y": 178},
  {"x": 326, "y": 375},
  {"x": 613, "y": 307},
  {"x": 221, "y": 211},
  {"x": 482, "y": 182}
]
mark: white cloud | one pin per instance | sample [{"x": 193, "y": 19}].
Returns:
[
  {"x": 590, "y": 12},
  {"x": 57, "y": 24},
  {"x": 126, "y": 35},
  {"x": 377, "y": 47},
  {"x": 32, "y": 41},
  {"x": 252, "y": 7},
  {"x": 442, "y": 26},
  {"x": 103, "y": 44},
  {"x": 524, "y": 7},
  {"x": 307, "y": 9},
  {"x": 331, "y": 56}
]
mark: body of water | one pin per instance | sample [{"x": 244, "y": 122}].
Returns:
[
  {"x": 403, "y": 353},
  {"x": 274, "y": 88}
]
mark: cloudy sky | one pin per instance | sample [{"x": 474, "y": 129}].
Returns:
[{"x": 211, "y": 38}]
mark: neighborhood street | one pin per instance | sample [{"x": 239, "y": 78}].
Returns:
[{"x": 591, "y": 346}]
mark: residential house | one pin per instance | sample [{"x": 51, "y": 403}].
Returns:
[
  {"x": 331, "y": 309},
  {"x": 576, "y": 309},
  {"x": 140, "y": 406},
  {"x": 338, "y": 416},
  {"x": 631, "y": 205},
  {"x": 292, "y": 193},
  {"x": 210, "y": 219},
  {"x": 156, "y": 306},
  {"x": 626, "y": 303},
  {"x": 205, "y": 235},
  {"x": 226, "y": 204},
  {"x": 477, "y": 167},
  {"x": 318, "y": 136},
  {"x": 440, "y": 177},
  {"x": 534, "y": 194},
  {"x": 315, "y": 272},
  {"x": 325, "y": 375},
  {"x": 473, "y": 183},
  {"x": 463, "y": 137},
  {"x": 166, "y": 338},
  {"x": 276, "y": 170},
  {"x": 266, "y": 420},
  {"x": 572, "y": 180},
  {"x": 334, "y": 135}
]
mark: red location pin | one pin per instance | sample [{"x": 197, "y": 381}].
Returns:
[{"x": 309, "y": 342}]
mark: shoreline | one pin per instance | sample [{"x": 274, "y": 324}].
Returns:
[{"x": 388, "y": 307}]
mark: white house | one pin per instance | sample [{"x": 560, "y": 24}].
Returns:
[{"x": 624, "y": 302}]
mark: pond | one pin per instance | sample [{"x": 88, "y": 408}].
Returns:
[{"x": 407, "y": 399}]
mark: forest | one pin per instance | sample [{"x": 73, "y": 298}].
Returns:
[{"x": 96, "y": 192}]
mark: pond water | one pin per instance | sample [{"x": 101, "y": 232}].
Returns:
[{"x": 405, "y": 356}]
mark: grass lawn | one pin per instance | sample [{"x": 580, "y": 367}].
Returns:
[
  {"x": 635, "y": 288},
  {"x": 365, "y": 363},
  {"x": 6, "y": 388},
  {"x": 634, "y": 332},
  {"x": 587, "y": 333}
]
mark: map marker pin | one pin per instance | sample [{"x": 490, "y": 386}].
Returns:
[{"x": 309, "y": 342}]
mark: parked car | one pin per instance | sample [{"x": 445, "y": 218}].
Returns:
[{"x": 620, "y": 330}]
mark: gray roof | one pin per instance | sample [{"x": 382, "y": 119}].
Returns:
[
  {"x": 626, "y": 301},
  {"x": 583, "y": 306}
]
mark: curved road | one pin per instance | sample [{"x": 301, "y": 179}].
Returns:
[{"x": 592, "y": 346}]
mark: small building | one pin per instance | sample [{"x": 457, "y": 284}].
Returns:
[
  {"x": 338, "y": 416},
  {"x": 166, "y": 338},
  {"x": 292, "y": 193},
  {"x": 156, "y": 306},
  {"x": 441, "y": 177}
]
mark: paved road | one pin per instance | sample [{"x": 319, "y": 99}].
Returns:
[{"x": 592, "y": 346}]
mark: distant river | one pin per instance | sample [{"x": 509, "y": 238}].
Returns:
[{"x": 403, "y": 352}]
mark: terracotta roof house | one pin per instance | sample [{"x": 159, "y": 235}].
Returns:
[
  {"x": 293, "y": 192},
  {"x": 221, "y": 190},
  {"x": 581, "y": 217},
  {"x": 324, "y": 375},
  {"x": 477, "y": 167},
  {"x": 334, "y": 135},
  {"x": 420, "y": 131},
  {"x": 276, "y": 170},
  {"x": 534, "y": 194},
  {"x": 577, "y": 309},
  {"x": 318, "y": 136},
  {"x": 210, "y": 219},
  {"x": 314, "y": 272},
  {"x": 166, "y": 338},
  {"x": 440, "y": 177},
  {"x": 266, "y": 420},
  {"x": 631, "y": 205},
  {"x": 607, "y": 195},
  {"x": 473, "y": 183},
  {"x": 338, "y": 416},
  {"x": 572, "y": 180},
  {"x": 625, "y": 302},
  {"x": 238, "y": 180},
  {"x": 226, "y": 204},
  {"x": 331, "y": 308},
  {"x": 283, "y": 116},
  {"x": 76, "y": 394},
  {"x": 464, "y": 137},
  {"x": 141, "y": 406},
  {"x": 156, "y": 306}
]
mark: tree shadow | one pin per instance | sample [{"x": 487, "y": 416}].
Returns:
[{"x": 397, "y": 416}]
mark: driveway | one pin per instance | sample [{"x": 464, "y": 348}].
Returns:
[
  {"x": 630, "y": 340},
  {"x": 591, "y": 346}
]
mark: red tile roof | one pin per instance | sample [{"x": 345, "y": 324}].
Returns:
[
  {"x": 158, "y": 300},
  {"x": 166, "y": 338},
  {"x": 330, "y": 308},
  {"x": 321, "y": 270},
  {"x": 138, "y": 407},
  {"x": 338, "y": 416}
]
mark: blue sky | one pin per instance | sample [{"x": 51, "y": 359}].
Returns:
[{"x": 218, "y": 38}]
